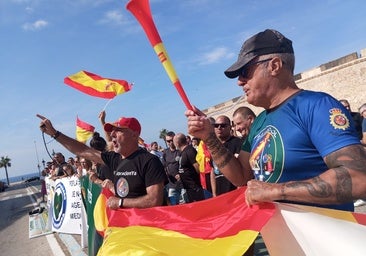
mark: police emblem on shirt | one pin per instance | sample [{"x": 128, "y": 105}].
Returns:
[
  {"x": 122, "y": 187},
  {"x": 338, "y": 119}
]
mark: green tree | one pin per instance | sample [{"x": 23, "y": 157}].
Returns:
[
  {"x": 5, "y": 162},
  {"x": 162, "y": 135}
]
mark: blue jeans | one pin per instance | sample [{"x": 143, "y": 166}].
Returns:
[
  {"x": 207, "y": 194},
  {"x": 174, "y": 195}
]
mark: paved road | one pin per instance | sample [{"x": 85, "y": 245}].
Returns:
[{"x": 15, "y": 204}]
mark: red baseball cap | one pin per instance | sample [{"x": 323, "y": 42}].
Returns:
[{"x": 124, "y": 122}]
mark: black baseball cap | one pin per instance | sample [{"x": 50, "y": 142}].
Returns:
[{"x": 265, "y": 42}]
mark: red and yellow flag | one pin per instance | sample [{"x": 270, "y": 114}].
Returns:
[
  {"x": 83, "y": 130},
  {"x": 223, "y": 225},
  {"x": 97, "y": 86},
  {"x": 203, "y": 159}
]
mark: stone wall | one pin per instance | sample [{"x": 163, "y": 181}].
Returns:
[{"x": 343, "y": 78}]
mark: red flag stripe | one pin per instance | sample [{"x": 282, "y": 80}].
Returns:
[
  {"x": 221, "y": 216},
  {"x": 97, "y": 91},
  {"x": 85, "y": 126}
]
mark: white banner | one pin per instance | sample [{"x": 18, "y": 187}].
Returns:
[
  {"x": 304, "y": 230},
  {"x": 66, "y": 206},
  {"x": 39, "y": 225}
]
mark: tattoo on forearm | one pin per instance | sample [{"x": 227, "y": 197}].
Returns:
[
  {"x": 321, "y": 189},
  {"x": 344, "y": 185},
  {"x": 219, "y": 153},
  {"x": 336, "y": 187},
  {"x": 214, "y": 145},
  {"x": 227, "y": 157},
  {"x": 283, "y": 193},
  {"x": 342, "y": 161},
  {"x": 318, "y": 188}
]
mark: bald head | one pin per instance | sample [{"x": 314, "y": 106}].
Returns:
[
  {"x": 223, "y": 128},
  {"x": 180, "y": 141}
]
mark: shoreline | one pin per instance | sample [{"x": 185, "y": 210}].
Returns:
[{"x": 20, "y": 178}]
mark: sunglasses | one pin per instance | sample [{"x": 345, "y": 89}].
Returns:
[
  {"x": 244, "y": 71},
  {"x": 221, "y": 125},
  {"x": 168, "y": 141}
]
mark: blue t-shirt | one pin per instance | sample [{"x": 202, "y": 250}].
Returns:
[{"x": 289, "y": 142}]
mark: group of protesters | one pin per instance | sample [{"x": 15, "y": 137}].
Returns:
[
  {"x": 316, "y": 157},
  {"x": 303, "y": 148}
]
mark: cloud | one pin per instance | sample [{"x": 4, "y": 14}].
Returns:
[
  {"x": 215, "y": 55},
  {"x": 29, "y": 10},
  {"x": 113, "y": 17},
  {"x": 37, "y": 25}
]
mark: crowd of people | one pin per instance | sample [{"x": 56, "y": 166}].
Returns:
[
  {"x": 180, "y": 160},
  {"x": 305, "y": 147}
]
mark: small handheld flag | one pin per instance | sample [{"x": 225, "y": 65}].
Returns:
[
  {"x": 83, "y": 130},
  {"x": 97, "y": 86}
]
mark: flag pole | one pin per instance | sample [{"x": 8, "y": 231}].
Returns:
[
  {"x": 107, "y": 104},
  {"x": 141, "y": 10}
]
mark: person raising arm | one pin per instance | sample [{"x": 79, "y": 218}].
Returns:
[
  {"x": 302, "y": 148},
  {"x": 139, "y": 176}
]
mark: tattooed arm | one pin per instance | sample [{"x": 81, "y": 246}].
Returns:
[
  {"x": 236, "y": 170},
  {"x": 344, "y": 181}
]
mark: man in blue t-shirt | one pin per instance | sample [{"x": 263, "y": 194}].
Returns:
[{"x": 302, "y": 148}]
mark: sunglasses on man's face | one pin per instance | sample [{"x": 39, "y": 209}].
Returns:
[
  {"x": 245, "y": 70},
  {"x": 221, "y": 125},
  {"x": 168, "y": 141}
]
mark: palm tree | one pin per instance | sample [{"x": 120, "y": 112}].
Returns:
[
  {"x": 5, "y": 162},
  {"x": 162, "y": 135}
]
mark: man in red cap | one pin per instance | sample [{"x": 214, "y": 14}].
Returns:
[{"x": 139, "y": 176}]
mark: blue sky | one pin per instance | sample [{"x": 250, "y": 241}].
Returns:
[{"x": 42, "y": 41}]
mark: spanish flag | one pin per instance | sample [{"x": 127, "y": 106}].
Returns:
[
  {"x": 223, "y": 225},
  {"x": 83, "y": 130},
  {"x": 203, "y": 159},
  {"x": 97, "y": 86}
]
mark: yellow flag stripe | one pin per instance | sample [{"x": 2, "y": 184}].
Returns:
[
  {"x": 103, "y": 85},
  {"x": 82, "y": 135},
  {"x": 165, "y": 61},
  {"x": 149, "y": 241}
]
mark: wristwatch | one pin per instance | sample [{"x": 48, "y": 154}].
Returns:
[{"x": 120, "y": 205}]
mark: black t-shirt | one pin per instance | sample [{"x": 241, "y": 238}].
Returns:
[
  {"x": 233, "y": 144},
  {"x": 188, "y": 174},
  {"x": 104, "y": 172},
  {"x": 136, "y": 172},
  {"x": 170, "y": 161},
  {"x": 223, "y": 185}
]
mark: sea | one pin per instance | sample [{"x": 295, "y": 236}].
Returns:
[{"x": 21, "y": 177}]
